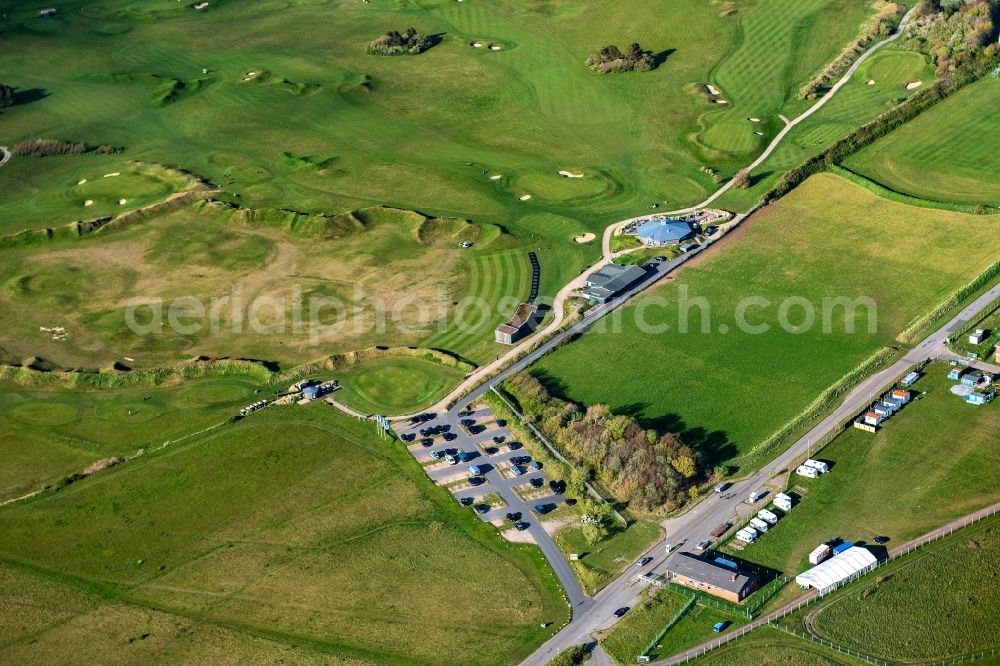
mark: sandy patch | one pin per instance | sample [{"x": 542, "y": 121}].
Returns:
[
  {"x": 570, "y": 174},
  {"x": 496, "y": 176},
  {"x": 712, "y": 90},
  {"x": 584, "y": 238},
  {"x": 88, "y": 202},
  {"x": 524, "y": 197},
  {"x": 477, "y": 45},
  {"x": 914, "y": 84},
  {"x": 514, "y": 536},
  {"x": 122, "y": 202},
  {"x": 870, "y": 82},
  {"x": 759, "y": 133},
  {"x": 553, "y": 526},
  {"x": 754, "y": 120},
  {"x": 112, "y": 174},
  {"x": 495, "y": 48},
  {"x": 721, "y": 101},
  {"x": 81, "y": 181}
]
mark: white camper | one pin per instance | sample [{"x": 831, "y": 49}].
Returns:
[
  {"x": 805, "y": 470},
  {"x": 783, "y": 502},
  {"x": 818, "y": 465},
  {"x": 759, "y": 525},
  {"x": 768, "y": 517},
  {"x": 819, "y": 554}
]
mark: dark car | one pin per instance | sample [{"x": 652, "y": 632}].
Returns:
[
  {"x": 881, "y": 540},
  {"x": 449, "y": 436},
  {"x": 491, "y": 450},
  {"x": 468, "y": 422},
  {"x": 476, "y": 480},
  {"x": 537, "y": 483},
  {"x": 408, "y": 436},
  {"x": 427, "y": 441},
  {"x": 482, "y": 508},
  {"x": 659, "y": 258},
  {"x": 621, "y": 611},
  {"x": 501, "y": 422},
  {"x": 498, "y": 439},
  {"x": 513, "y": 517},
  {"x": 513, "y": 446},
  {"x": 465, "y": 501},
  {"x": 521, "y": 526}
]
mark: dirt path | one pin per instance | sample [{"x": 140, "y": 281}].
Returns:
[{"x": 4, "y": 155}]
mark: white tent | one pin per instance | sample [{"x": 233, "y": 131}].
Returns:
[{"x": 848, "y": 565}]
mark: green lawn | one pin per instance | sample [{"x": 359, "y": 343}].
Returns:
[
  {"x": 52, "y": 432},
  {"x": 694, "y": 627},
  {"x": 394, "y": 386},
  {"x": 948, "y": 449},
  {"x": 771, "y": 647},
  {"x": 296, "y": 527},
  {"x": 318, "y": 125},
  {"x": 725, "y": 389},
  {"x": 946, "y": 154},
  {"x": 600, "y": 563},
  {"x": 951, "y": 587}
]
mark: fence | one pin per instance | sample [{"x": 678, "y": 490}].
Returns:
[
  {"x": 860, "y": 656},
  {"x": 668, "y": 626},
  {"x": 812, "y": 597}
]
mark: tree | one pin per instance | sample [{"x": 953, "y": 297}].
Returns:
[
  {"x": 6, "y": 96},
  {"x": 685, "y": 465},
  {"x": 742, "y": 179}
]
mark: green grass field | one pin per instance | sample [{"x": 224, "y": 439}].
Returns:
[
  {"x": 771, "y": 647},
  {"x": 628, "y": 638},
  {"x": 296, "y": 527},
  {"x": 320, "y": 126},
  {"x": 947, "y": 447},
  {"x": 946, "y": 154},
  {"x": 951, "y": 587},
  {"x": 600, "y": 563},
  {"x": 724, "y": 392},
  {"x": 53, "y": 432},
  {"x": 395, "y": 385}
]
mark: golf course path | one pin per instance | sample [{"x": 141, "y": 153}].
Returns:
[
  {"x": 483, "y": 374},
  {"x": 4, "y": 155}
]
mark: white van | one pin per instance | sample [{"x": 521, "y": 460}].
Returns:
[{"x": 754, "y": 497}]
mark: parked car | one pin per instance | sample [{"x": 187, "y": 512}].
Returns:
[
  {"x": 449, "y": 436},
  {"x": 491, "y": 450},
  {"x": 513, "y": 446},
  {"x": 476, "y": 480},
  {"x": 535, "y": 465},
  {"x": 452, "y": 460},
  {"x": 482, "y": 508},
  {"x": 427, "y": 441},
  {"x": 437, "y": 455},
  {"x": 881, "y": 540},
  {"x": 721, "y": 488},
  {"x": 498, "y": 439},
  {"x": 516, "y": 470},
  {"x": 644, "y": 561},
  {"x": 521, "y": 526},
  {"x": 660, "y": 259},
  {"x": 537, "y": 482},
  {"x": 719, "y": 627},
  {"x": 513, "y": 517},
  {"x": 621, "y": 611},
  {"x": 703, "y": 545},
  {"x": 465, "y": 501}
]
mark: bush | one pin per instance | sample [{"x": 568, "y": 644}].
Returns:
[
  {"x": 395, "y": 43},
  {"x": 611, "y": 59},
  {"x": 6, "y": 96},
  {"x": 571, "y": 657}
]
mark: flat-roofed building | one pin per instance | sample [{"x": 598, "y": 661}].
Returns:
[
  {"x": 518, "y": 325},
  {"x": 727, "y": 583},
  {"x": 612, "y": 279}
]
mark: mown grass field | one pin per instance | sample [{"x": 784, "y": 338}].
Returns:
[
  {"x": 946, "y": 154},
  {"x": 320, "y": 126},
  {"x": 724, "y": 392},
  {"x": 600, "y": 563},
  {"x": 296, "y": 529},
  {"x": 395, "y": 385},
  {"x": 51, "y": 432},
  {"x": 948, "y": 449},
  {"x": 951, "y": 588},
  {"x": 629, "y": 637},
  {"x": 771, "y": 647}
]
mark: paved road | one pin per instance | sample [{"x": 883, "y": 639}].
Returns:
[
  {"x": 695, "y": 525},
  {"x": 4, "y": 155}
]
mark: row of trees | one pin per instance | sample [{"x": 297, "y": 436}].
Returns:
[
  {"x": 46, "y": 147},
  {"x": 392, "y": 43},
  {"x": 648, "y": 471},
  {"x": 612, "y": 59}
]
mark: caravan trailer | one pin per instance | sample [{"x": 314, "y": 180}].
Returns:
[
  {"x": 805, "y": 470},
  {"x": 747, "y": 535},
  {"x": 817, "y": 465},
  {"x": 783, "y": 502},
  {"x": 767, "y": 516},
  {"x": 819, "y": 554},
  {"x": 759, "y": 525}
]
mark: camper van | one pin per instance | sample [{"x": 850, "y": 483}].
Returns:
[
  {"x": 747, "y": 535},
  {"x": 759, "y": 525},
  {"x": 818, "y": 465},
  {"x": 805, "y": 470},
  {"x": 768, "y": 517},
  {"x": 783, "y": 502}
]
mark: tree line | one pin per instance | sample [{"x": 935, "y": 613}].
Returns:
[
  {"x": 47, "y": 147},
  {"x": 638, "y": 466}
]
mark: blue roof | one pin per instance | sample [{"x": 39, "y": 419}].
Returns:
[{"x": 664, "y": 231}]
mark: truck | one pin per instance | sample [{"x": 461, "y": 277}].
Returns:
[
  {"x": 755, "y": 496},
  {"x": 720, "y": 530}
]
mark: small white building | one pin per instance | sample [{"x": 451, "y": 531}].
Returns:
[
  {"x": 807, "y": 471},
  {"x": 977, "y": 337},
  {"x": 817, "y": 465},
  {"x": 783, "y": 502},
  {"x": 819, "y": 554},
  {"x": 839, "y": 569}
]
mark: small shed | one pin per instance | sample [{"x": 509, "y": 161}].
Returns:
[
  {"x": 955, "y": 373},
  {"x": 977, "y": 337}
]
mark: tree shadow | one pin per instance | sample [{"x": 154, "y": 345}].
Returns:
[
  {"x": 29, "y": 95},
  {"x": 757, "y": 178},
  {"x": 661, "y": 57},
  {"x": 433, "y": 40}
]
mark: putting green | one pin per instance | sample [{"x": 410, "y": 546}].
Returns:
[
  {"x": 552, "y": 186},
  {"x": 395, "y": 385},
  {"x": 44, "y": 413}
]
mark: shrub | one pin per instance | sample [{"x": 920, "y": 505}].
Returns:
[
  {"x": 6, "y": 96},
  {"x": 611, "y": 59},
  {"x": 395, "y": 43}
]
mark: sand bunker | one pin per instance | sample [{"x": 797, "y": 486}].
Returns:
[
  {"x": 496, "y": 176},
  {"x": 754, "y": 120},
  {"x": 914, "y": 84},
  {"x": 81, "y": 181},
  {"x": 584, "y": 238},
  {"x": 759, "y": 133},
  {"x": 477, "y": 45},
  {"x": 524, "y": 197},
  {"x": 870, "y": 82},
  {"x": 712, "y": 90},
  {"x": 88, "y": 202},
  {"x": 721, "y": 101},
  {"x": 570, "y": 174},
  {"x": 112, "y": 174},
  {"x": 122, "y": 202},
  {"x": 495, "y": 47}
]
